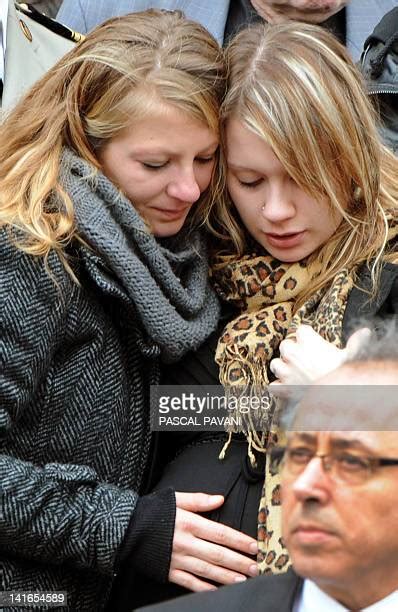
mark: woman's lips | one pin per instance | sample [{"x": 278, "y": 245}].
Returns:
[
  {"x": 285, "y": 241},
  {"x": 171, "y": 213}
]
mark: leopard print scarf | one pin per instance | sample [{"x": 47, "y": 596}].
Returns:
[{"x": 265, "y": 291}]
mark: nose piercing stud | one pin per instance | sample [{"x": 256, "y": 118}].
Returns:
[{"x": 263, "y": 207}]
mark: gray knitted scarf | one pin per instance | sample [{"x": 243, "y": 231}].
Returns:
[{"x": 168, "y": 285}]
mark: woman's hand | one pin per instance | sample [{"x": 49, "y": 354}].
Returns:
[
  {"x": 310, "y": 356},
  {"x": 206, "y": 549}
]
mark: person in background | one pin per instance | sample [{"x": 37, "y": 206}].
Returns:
[
  {"x": 339, "y": 497},
  {"x": 103, "y": 166},
  {"x": 352, "y": 21}
]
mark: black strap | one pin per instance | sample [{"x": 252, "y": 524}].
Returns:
[
  {"x": 56, "y": 27},
  {"x": 386, "y": 34},
  {"x": 385, "y": 29},
  {"x": 377, "y": 63}
]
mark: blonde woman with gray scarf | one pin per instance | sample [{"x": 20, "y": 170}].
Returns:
[{"x": 102, "y": 167}]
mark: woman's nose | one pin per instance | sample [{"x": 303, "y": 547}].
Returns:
[
  {"x": 184, "y": 186},
  {"x": 278, "y": 206}
]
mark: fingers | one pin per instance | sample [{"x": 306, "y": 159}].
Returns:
[
  {"x": 208, "y": 550},
  {"x": 227, "y": 560},
  {"x": 198, "y": 558},
  {"x": 296, "y": 354},
  {"x": 311, "y": 356},
  {"x": 226, "y": 536},
  {"x": 189, "y": 581},
  {"x": 280, "y": 368},
  {"x": 307, "y": 359},
  {"x": 307, "y": 341},
  {"x": 211, "y": 531},
  {"x": 208, "y": 570},
  {"x": 305, "y": 333},
  {"x": 289, "y": 373},
  {"x": 356, "y": 340},
  {"x": 287, "y": 349},
  {"x": 198, "y": 502}
]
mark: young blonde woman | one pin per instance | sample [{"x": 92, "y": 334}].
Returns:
[
  {"x": 305, "y": 241},
  {"x": 101, "y": 165},
  {"x": 310, "y": 223}
]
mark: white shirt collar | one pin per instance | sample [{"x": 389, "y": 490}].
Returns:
[
  {"x": 3, "y": 41},
  {"x": 313, "y": 599}
]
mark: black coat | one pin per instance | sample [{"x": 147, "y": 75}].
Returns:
[
  {"x": 262, "y": 594},
  {"x": 74, "y": 431}
]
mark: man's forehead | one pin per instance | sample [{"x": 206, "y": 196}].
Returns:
[
  {"x": 377, "y": 442},
  {"x": 354, "y": 397},
  {"x": 365, "y": 372}
]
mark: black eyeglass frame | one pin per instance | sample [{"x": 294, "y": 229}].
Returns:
[{"x": 278, "y": 453}]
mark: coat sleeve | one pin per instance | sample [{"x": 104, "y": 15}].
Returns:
[
  {"x": 53, "y": 513},
  {"x": 61, "y": 513}
]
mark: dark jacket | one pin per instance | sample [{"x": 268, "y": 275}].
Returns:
[
  {"x": 384, "y": 305},
  {"x": 379, "y": 65},
  {"x": 276, "y": 593},
  {"x": 74, "y": 434}
]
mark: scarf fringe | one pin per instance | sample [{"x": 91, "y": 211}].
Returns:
[{"x": 252, "y": 414}]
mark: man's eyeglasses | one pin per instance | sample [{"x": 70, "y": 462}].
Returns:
[{"x": 345, "y": 468}]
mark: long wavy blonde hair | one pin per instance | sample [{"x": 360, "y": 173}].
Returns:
[
  {"x": 123, "y": 71},
  {"x": 295, "y": 86}
]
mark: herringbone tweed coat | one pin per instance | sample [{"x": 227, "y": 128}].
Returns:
[{"x": 74, "y": 434}]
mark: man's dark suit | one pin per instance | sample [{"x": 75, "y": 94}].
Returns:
[{"x": 263, "y": 594}]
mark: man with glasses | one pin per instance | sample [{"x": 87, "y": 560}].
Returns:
[{"x": 339, "y": 498}]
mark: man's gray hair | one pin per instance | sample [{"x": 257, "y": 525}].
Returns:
[{"x": 382, "y": 344}]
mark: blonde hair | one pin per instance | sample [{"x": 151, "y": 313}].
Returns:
[
  {"x": 295, "y": 86},
  {"x": 126, "y": 69}
]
